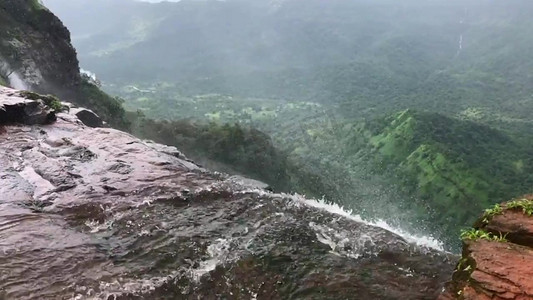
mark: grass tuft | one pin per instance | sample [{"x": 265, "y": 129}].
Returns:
[
  {"x": 524, "y": 204},
  {"x": 477, "y": 234},
  {"x": 491, "y": 212}
]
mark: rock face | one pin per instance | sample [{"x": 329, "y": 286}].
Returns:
[
  {"x": 496, "y": 269},
  {"x": 36, "y": 55},
  {"x": 95, "y": 213},
  {"x": 35, "y": 48}
]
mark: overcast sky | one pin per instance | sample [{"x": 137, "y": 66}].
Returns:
[{"x": 153, "y": 1}]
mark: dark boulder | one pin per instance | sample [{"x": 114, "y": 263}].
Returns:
[{"x": 87, "y": 117}]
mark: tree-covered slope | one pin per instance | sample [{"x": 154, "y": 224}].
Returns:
[{"x": 455, "y": 167}]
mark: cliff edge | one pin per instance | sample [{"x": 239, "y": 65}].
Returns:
[{"x": 497, "y": 258}]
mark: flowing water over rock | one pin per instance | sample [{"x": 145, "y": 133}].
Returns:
[{"x": 95, "y": 213}]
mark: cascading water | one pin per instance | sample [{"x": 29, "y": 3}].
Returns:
[{"x": 16, "y": 82}]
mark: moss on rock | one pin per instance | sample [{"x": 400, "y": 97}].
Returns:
[{"x": 49, "y": 100}]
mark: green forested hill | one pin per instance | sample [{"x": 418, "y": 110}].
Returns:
[
  {"x": 431, "y": 169},
  {"x": 454, "y": 166}
]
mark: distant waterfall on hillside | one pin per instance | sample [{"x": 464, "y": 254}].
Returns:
[
  {"x": 14, "y": 79},
  {"x": 461, "y": 36},
  {"x": 16, "y": 82}
]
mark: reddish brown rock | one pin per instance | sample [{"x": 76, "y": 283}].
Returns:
[
  {"x": 497, "y": 270},
  {"x": 517, "y": 226}
]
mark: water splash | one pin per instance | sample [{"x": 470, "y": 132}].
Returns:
[
  {"x": 334, "y": 208},
  {"x": 95, "y": 226},
  {"x": 217, "y": 253},
  {"x": 420, "y": 240},
  {"x": 339, "y": 242}
]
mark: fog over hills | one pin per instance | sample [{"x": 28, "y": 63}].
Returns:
[
  {"x": 403, "y": 109},
  {"x": 266, "y": 149},
  {"x": 266, "y": 48}
]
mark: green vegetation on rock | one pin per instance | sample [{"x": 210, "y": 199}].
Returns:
[
  {"x": 491, "y": 212},
  {"x": 36, "y": 4},
  {"x": 3, "y": 81},
  {"x": 524, "y": 204},
  {"x": 108, "y": 108},
  {"x": 49, "y": 100},
  {"x": 478, "y": 234}
]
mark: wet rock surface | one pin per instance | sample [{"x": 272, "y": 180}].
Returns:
[
  {"x": 497, "y": 270},
  {"x": 95, "y": 213},
  {"x": 15, "y": 109}
]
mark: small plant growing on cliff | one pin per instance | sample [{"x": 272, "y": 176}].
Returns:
[
  {"x": 30, "y": 95},
  {"x": 524, "y": 204},
  {"x": 478, "y": 234},
  {"x": 54, "y": 103},
  {"x": 50, "y": 100},
  {"x": 491, "y": 212}
]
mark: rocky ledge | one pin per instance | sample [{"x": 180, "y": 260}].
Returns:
[
  {"x": 95, "y": 213},
  {"x": 497, "y": 259}
]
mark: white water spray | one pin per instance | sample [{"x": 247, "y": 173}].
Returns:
[
  {"x": 421, "y": 240},
  {"x": 89, "y": 74},
  {"x": 16, "y": 82},
  {"x": 14, "y": 79}
]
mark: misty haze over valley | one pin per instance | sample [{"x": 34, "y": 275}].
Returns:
[{"x": 266, "y": 149}]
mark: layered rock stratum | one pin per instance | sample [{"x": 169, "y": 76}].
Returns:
[
  {"x": 498, "y": 263},
  {"x": 95, "y": 213}
]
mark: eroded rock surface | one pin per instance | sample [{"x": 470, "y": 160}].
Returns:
[
  {"x": 496, "y": 269},
  {"x": 95, "y": 213}
]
